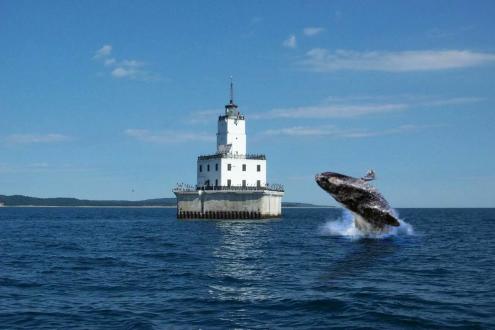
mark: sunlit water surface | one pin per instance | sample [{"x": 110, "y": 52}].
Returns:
[{"x": 142, "y": 268}]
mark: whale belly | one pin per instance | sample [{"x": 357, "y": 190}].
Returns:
[{"x": 367, "y": 227}]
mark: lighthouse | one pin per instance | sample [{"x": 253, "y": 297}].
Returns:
[{"x": 231, "y": 183}]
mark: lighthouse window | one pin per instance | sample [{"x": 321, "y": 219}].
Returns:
[
  {"x": 201, "y": 168},
  {"x": 258, "y": 168},
  {"x": 208, "y": 167},
  {"x": 244, "y": 167},
  {"x": 216, "y": 167},
  {"x": 229, "y": 167}
]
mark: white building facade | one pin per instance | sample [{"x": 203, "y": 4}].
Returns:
[{"x": 217, "y": 171}]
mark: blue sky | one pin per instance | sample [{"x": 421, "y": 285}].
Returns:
[{"x": 115, "y": 99}]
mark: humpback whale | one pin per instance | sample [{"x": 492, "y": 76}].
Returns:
[{"x": 372, "y": 212}]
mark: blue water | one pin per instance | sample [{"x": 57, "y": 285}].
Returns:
[{"x": 90, "y": 268}]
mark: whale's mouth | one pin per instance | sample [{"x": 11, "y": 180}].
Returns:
[
  {"x": 328, "y": 180},
  {"x": 319, "y": 177},
  {"x": 321, "y": 180},
  {"x": 327, "y": 176}
]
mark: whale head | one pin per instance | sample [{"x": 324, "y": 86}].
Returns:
[{"x": 337, "y": 184}]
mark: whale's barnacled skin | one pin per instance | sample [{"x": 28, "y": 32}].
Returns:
[{"x": 360, "y": 198}]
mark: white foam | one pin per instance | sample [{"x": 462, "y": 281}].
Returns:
[{"x": 346, "y": 227}]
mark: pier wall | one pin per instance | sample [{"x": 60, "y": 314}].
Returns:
[{"x": 229, "y": 204}]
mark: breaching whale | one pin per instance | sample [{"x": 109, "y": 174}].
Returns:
[{"x": 372, "y": 212}]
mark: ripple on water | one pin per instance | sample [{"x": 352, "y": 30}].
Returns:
[{"x": 143, "y": 269}]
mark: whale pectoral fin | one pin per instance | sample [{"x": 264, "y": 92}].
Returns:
[{"x": 391, "y": 221}]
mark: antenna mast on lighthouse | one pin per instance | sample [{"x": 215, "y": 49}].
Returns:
[
  {"x": 231, "y": 91},
  {"x": 231, "y": 108}
]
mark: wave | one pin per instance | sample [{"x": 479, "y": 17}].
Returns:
[{"x": 346, "y": 227}]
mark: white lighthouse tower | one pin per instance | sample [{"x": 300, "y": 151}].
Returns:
[
  {"x": 230, "y": 183},
  {"x": 231, "y": 136}
]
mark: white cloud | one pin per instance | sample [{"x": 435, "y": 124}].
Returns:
[
  {"x": 132, "y": 72},
  {"x": 302, "y": 131},
  {"x": 350, "y": 107},
  {"x": 323, "y": 60},
  {"x": 451, "y": 101},
  {"x": 203, "y": 116},
  {"x": 449, "y": 33},
  {"x": 312, "y": 31},
  {"x": 409, "y": 99},
  {"x": 123, "y": 69},
  {"x": 109, "y": 61},
  {"x": 42, "y": 167},
  {"x": 104, "y": 51},
  {"x": 252, "y": 27},
  {"x": 167, "y": 137},
  {"x": 39, "y": 165},
  {"x": 290, "y": 42},
  {"x": 36, "y": 138},
  {"x": 332, "y": 111},
  {"x": 131, "y": 63},
  {"x": 335, "y": 132},
  {"x": 122, "y": 72},
  {"x": 255, "y": 20}
]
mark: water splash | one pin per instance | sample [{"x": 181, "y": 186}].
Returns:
[{"x": 346, "y": 227}]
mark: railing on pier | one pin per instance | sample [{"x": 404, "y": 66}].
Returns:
[
  {"x": 228, "y": 155},
  {"x": 184, "y": 187},
  {"x": 191, "y": 188},
  {"x": 241, "y": 117}
]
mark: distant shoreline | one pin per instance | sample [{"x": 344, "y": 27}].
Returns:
[
  {"x": 167, "y": 202},
  {"x": 91, "y": 206},
  {"x": 140, "y": 207}
]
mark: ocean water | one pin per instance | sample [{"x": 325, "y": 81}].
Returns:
[{"x": 103, "y": 268}]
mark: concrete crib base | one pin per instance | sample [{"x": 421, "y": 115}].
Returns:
[{"x": 229, "y": 204}]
